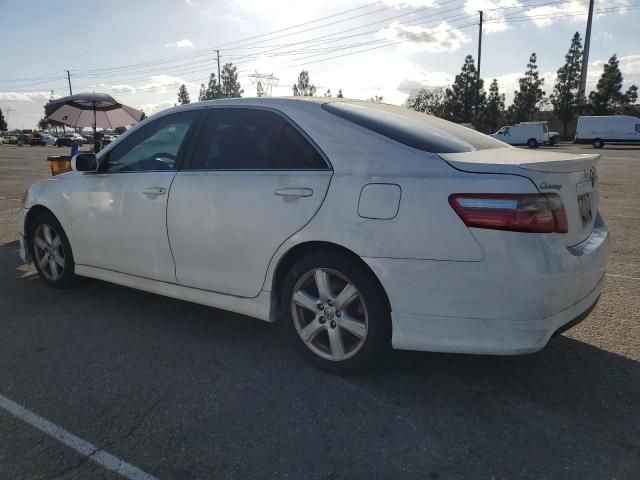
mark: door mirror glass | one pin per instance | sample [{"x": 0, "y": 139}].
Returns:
[{"x": 84, "y": 162}]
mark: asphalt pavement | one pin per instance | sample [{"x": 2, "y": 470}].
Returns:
[{"x": 182, "y": 391}]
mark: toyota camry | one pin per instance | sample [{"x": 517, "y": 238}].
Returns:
[{"x": 359, "y": 225}]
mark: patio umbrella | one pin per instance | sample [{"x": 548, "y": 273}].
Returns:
[{"x": 97, "y": 110}]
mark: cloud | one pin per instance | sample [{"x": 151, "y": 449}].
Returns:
[
  {"x": 188, "y": 2},
  {"x": 494, "y": 13},
  {"x": 575, "y": 10},
  {"x": 443, "y": 38},
  {"x": 122, "y": 89},
  {"x": 151, "y": 108},
  {"x": 425, "y": 79},
  {"x": 184, "y": 43},
  {"x": 509, "y": 83},
  {"x": 411, "y": 3},
  {"x": 629, "y": 66},
  {"x": 232, "y": 18},
  {"x": 159, "y": 83},
  {"x": 25, "y": 96}
]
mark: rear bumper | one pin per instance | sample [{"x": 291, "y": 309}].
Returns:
[
  {"x": 482, "y": 336},
  {"x": 527, "y": 288}
]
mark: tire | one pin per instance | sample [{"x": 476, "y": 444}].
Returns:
[
  {"x": 532, "y": 143},
  {"x": 340, "y": 341},
  {"x": 51, "y": 252},
  {"x": 597, "y": 143}
]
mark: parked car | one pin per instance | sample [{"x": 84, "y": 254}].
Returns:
[
  {"x": 357, "y": 224},
  {"x": 608, "y": 129},
  {"x": 35, "y": 140},
  {"x": 49, "y": 140},
  {"x": 10, "y": 139},
  {"x": 65, "y": 140},
  {"x": 107, "y": 139},
  {"x": 532, "y": 134}
]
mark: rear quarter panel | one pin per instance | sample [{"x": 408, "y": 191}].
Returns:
[{"x": 426, "y": 226}]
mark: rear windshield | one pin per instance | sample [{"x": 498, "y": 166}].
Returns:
[{"x": 415, "y": 129}]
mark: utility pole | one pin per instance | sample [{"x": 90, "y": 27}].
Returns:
[
  {"x": 69, "y": 79},
  {"x": 8, "y": 111},
  {"x": 585, "y": 56},
  {"x": 479, "y": 59},
  {"x": 219, "y": 78}
]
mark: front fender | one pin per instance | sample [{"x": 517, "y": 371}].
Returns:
[{"x": 54, "y": 195}]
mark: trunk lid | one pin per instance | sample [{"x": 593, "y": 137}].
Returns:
[{"x": 570, "y": 175}]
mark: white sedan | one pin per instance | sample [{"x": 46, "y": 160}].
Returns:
[{"x": 359, "y": 225}]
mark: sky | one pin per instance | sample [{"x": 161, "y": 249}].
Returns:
[{"x": 140, "y": 52}]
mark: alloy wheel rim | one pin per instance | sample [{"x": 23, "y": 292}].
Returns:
[
  {"x": 332, "y": 325},
  {"x": 49, "y": 252}
]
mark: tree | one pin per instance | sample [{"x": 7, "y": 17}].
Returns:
[
  {"x": 340, "y": 93},
  {"x": 461, "y": 96},
  {"x": 564, "y": 98},
  {"x": 3, "y": 122},
  {"x": 231, "y": 88},
  {"x": 43, "y": 123},
  {"x": 120, "y": 130},
  {"x": 183, "y": 95},
  {"x": 259, "y": 89},
  {"x": 377, "y": 99},
  {"x": 530, "y": 98},
  {"x": 143, "y": 116},
  {"x": 304, "y": 88},
  {"x": 211, "y": 91},
  {"x": 493, "y": 113},
  {"x": 430, "y": 101},
  {"x": 327, "y": 93},
  {"x": 608, "y": 98}
]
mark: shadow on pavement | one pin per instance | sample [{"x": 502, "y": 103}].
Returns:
[{"x": 571, "y": 410}]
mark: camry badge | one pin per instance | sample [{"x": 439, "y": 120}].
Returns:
[{"x": 550, "y": 186}]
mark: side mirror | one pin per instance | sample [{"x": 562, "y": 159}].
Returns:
[{"x": 84, "y": 162}]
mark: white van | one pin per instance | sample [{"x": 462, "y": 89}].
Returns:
[
  {"x": 550, "y": 138},
  {"x": 531, "y": 134},
  {"x": 608, "y": 129}
]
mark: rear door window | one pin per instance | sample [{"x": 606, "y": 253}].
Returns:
[{"x": 252, "y": 139}]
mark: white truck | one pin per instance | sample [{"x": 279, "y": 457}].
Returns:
[
  {"x": 608, "y": 129},
  {"x": 532, "y": 134}
]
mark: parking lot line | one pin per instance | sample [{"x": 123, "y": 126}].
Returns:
[
  {"x": 622, "y": 276},
  {"x": 84, "y": 448}
]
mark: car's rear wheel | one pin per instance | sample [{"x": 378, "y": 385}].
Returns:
[
  {"x": 597, "y": 143},
  {"x": 51, "y": 252},
  {"x": 532, "y": 143},
  {"x": 336, "y": 312}
]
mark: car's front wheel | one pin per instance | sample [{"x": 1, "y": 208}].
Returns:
[
  {"x": 336, "y": 311},
  {"x": 51, "y": 252}
]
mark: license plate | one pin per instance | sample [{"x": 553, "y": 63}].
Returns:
[{"x": 584, "y": 204}]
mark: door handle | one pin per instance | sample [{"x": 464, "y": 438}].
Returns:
[
  {"x": 154, "y": 192},
  {"x": 294, "y": 192}
]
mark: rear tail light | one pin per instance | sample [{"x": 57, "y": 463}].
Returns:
[{"x": 533, "y": 213}]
